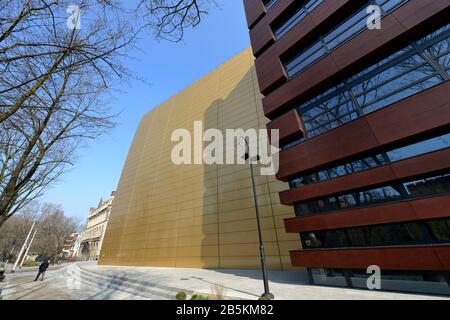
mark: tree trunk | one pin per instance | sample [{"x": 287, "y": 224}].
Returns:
[{"x": 3, "y": 219}]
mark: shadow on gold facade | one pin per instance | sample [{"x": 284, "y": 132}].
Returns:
[{"x": 197, "y": 215}]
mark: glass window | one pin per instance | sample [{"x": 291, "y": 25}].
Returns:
[
  {"x": 411, "y": 233},
  {"x": 440, "y": 229},
  {"x": 401, "y": 275},
  {"x": 409, "y": 151},
  {"x": 336, "y": 37},
  {"x": 407, "y": 190},
  {"x": 419, "y": 66},
  {"x": 419, "y": 148},
  {"x": 346, "y": 30},
  {"x": 300, "y": 10},
  {"x": 270, "y": 3},
  {"x": 428, "y": 186}
]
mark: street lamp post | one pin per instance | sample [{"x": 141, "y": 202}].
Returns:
[
  {"x": 262, "y": 252},
  {"x": 23, "y": 247},
  {"x": 28, "y": 249},
  {"x": 10, "y": 255}
]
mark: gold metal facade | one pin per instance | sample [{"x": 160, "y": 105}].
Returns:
[{"x": 166, "y": 215}]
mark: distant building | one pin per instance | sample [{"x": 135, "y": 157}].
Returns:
[
  {"x": 90, "y": 240},
  {"x": 70, "y": 248}
]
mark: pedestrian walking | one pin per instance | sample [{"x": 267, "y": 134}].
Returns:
[{"x": 42, "y": 268}]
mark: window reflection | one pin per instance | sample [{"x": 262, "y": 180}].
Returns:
[
  {"x": 440, "y": 229},
  {"x": 409, "y": 151},
  {"x": 407, "y": 190},
  {"x": 269, "y": 4},
  {"x": 416, "y": 68},
  {"x": 300, "y": 10},
  {"x": 338, "y": 36},
  {"x": 411, "y": 233}
]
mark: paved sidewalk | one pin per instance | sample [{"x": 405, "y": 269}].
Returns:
[
  {"x": 34, "y": 269},
  {"x": 247, "y": 284},
  {"x": 25, "y": 288},
  {"x": 89, "y": 281}
]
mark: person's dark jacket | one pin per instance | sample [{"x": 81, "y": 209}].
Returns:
[{"x": 43, "y": 267}]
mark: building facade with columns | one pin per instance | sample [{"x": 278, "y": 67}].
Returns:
[
  {"x": 70, "y": 248},
  {"x": 91, "y": 239}
]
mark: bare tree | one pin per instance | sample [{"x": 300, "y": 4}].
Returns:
[
  {"x": 57, "y": 71},
  {"x": 53, "y": 229},
  {"x": 170, "y": 18},
  {"x": 14, "y": 232},
  {"x": 52, "y": 226},
  {"x": 52, "y": 91}
]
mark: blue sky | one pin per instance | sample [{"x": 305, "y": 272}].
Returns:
[{"x": 168, "y": 68}]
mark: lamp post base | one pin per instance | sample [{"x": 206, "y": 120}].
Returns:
[{"x": 267, "y": 296}]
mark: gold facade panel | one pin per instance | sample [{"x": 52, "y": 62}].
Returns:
[
  {"x": 243, "y": 214},
  {"x": 245, "y": 225},
  {"x": 247, "y": 250},
  {"x": 273, "y": 262},
  {"x": 285, "y": 246},
  {"x": 283, "y": 236},
  {"x": 198, "y": 216},
  {"x": 246, "y": 237}
]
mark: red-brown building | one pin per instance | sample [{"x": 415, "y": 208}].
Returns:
[{"x": 360, "y": 93}]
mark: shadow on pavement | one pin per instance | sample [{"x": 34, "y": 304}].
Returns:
[
  {"x": 295, "y": 277},
  {"x": 225, "y": 287}
]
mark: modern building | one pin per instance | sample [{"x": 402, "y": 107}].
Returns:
[
  {"x": 90, "y": 241},
  {"x": 363, "y": 108},
  {"x": 169, "y": 215}
]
